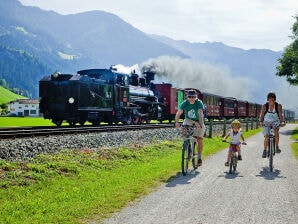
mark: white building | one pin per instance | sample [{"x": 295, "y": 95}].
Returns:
[{"x": 24, "y": 108}]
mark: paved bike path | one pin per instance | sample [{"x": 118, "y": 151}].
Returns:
[{"x": 211, "y": 195}]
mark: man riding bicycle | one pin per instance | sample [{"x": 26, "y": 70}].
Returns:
[
  {"x": 193, "y": 109},
  {"x": 271, "y": 115}
]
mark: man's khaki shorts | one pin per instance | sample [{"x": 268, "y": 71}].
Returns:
[{"x": 198, "y": 132}]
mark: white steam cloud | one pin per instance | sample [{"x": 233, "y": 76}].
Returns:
[
  {"x": 188, "y": 73},
  {"x": 127, "y": 70}
]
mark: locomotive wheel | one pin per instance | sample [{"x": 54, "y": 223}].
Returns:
[
  {"x": 129, "y": 120},
  {"x": 95, "y": 123},
  {"x": 71, "y": 123},
  {"x": 82, "y": 123},
  {"x": 136, "y": 120},
  {"x": 57, "y": 122},
  {"x": 110, "y": 121}
]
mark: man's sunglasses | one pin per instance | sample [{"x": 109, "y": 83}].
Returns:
[{"x": 191, "y": 96}]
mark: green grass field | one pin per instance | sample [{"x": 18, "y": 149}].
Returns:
[
  {"x": 79, "y": 186},
  {"x": 76, "y": 186},
  {"x": 24, "y": 122},
  {"x": 7, "y": 96}
]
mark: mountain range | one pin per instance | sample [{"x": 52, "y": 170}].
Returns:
[{"x": 35, "y": 43}]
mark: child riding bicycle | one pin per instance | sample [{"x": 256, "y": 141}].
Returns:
[{"x": 235, "y": 135}]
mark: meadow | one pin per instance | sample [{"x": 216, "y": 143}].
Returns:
[
  {"x": 24, "y": 122},
  {"x": 77, "y": 186}
]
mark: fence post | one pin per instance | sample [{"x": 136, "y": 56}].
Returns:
[
  {"x": 246, "y": 120},
  {"x": 210, "y": 128},
  {"x": 252, "y": 123},
  {"x": 224, "y": 127}
]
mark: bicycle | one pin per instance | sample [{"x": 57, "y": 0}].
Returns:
[
  {"x": 234, "y": 157},
  {"x": 271, "y": 147},
  {"x": 189, "y": 149}
]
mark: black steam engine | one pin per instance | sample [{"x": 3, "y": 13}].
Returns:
[{"x": 99, "y": 95}]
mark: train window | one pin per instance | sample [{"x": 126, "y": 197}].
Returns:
[
  {"x": 207, "y": 100},
  {"x": 229, "y": 104}
]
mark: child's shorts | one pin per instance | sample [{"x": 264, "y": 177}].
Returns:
[{"x": 231, "y": 147}]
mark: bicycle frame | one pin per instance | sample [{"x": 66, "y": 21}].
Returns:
[
  {"x": 189, "y": 150},
  {"x": 271, "y": 147},
  {"x": 233, "y": 159}
]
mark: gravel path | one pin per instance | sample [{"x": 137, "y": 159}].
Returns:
[{"x": 211, "y": 195}]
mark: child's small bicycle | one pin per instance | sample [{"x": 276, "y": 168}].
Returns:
[
  {"x": 234, "y": 157},
  {"x": 189, "y": 149}
]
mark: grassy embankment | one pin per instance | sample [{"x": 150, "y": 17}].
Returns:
[
  {"x": 294, "y": 145},
  {"x": 74, "y": 186},
  {"x": 7, "y": 96},
  {"x": 24, "y": 122}
]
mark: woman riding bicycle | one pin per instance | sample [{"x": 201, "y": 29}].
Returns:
[
  {"x": 193, "y": 109},
  {"x": 235, "y": 135},
  {"x": 271, "y": 115}
]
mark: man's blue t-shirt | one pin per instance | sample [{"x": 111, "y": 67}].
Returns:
[{"x": 191, "y": 110}]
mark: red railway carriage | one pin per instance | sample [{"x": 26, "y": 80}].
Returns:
[
  {"x": 242, "y": 109},
  {"x": 212, "y": 103},
  {"x": 258, "y": 110},
  {"x": 289, "y": 115},
  {"x": 228, "y": 107},
  {"x": 254, "y": 109},
  {"x": 172, "y": 98}
]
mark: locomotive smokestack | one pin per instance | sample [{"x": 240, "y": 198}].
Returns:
[{"x": 149, "y": 76}]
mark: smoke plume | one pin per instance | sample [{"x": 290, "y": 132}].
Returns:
[{"x": 188, "y": 73}]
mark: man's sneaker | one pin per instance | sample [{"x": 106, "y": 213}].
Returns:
[
  {"x": 264, "y": 155},
  {"x": 199, "y": 162},
  {"x": 239, "y": 157},
  {"x": 226, "y": 163},
  {"x": 278, "y": 149}
]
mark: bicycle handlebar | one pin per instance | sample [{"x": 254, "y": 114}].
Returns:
[{"x": 229, "y": 142}]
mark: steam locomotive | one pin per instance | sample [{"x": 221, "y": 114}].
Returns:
[
  {"x": 100, "y": 95},
  {"x": 108, "y": 96}
]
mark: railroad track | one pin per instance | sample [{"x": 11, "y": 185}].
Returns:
[
  {"x": 22, "y": 132},
  {"x": 10, "y": 133}
]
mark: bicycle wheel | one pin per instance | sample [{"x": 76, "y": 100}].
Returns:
[
  {"x": 231, "y": 163},
  {"x": 195, "y": 155},
  {"x": 185, "y": 157},
  {"x": 274, "y": 149},
  {"x": 235, "y": 160},
  {"x": 271, "y": 145}
]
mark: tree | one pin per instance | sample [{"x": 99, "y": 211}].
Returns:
[
  {"x": 288, "y": 63},
  {"x": 3, "y": 83}
]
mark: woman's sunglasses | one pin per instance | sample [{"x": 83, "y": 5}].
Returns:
[{"x": 191, "y": 96}]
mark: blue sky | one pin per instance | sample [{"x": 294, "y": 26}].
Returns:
[{"x": 261, "y": 24}]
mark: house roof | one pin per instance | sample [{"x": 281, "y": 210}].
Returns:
[{"x": 26, "y": 101}]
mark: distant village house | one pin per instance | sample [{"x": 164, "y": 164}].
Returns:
[{"x": 24, "y": 108}]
